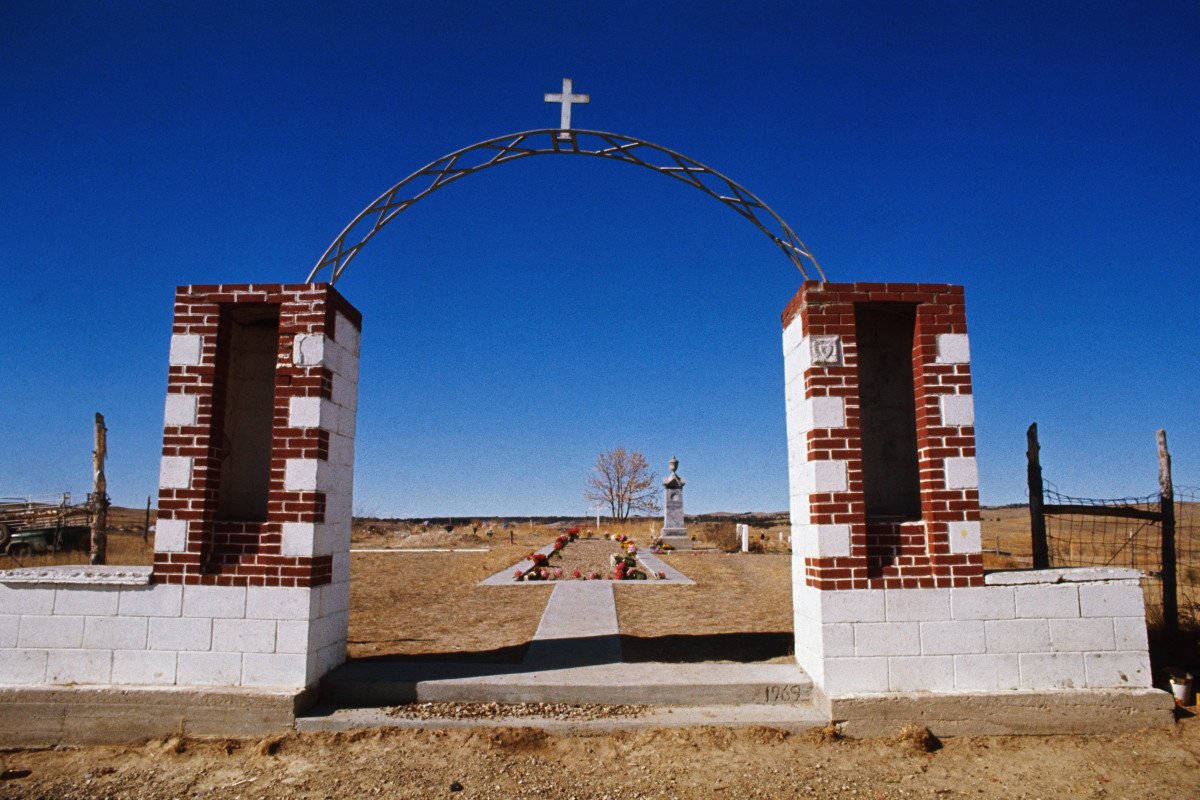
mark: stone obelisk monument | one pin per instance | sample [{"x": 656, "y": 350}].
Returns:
[{"x": 674, "y": 530}]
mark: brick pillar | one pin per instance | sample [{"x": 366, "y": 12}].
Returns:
[{"x": 289, "y": 542}]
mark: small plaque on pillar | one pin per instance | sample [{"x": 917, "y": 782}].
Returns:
[{"x": 674, "y": 532}]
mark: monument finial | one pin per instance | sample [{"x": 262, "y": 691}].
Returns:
[
  {"x": 565, "y": 99},
  {"x": 674, "y": 462}
]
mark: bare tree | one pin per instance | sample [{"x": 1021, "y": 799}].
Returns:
[{"x": 624, "y": 482}]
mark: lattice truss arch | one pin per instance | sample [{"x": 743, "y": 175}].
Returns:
[{"x": 546, "y": 141}]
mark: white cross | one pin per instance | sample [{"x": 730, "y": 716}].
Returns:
[{"x": 566, "y": 99}]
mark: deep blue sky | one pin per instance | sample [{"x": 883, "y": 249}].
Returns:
[{"x": 1042, "y": 154}]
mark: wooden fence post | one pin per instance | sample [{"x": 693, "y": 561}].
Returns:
[
  {"x": 99, "y": 494},
  {"x": 1037, "y": 514},
  {"x": 1166, "y": 503},
  {"x": 146, "y": 528}
]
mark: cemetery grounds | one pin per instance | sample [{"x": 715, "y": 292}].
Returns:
[{"x": 427, "y": 605}]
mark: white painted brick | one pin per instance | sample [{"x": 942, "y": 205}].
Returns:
[
  {"x": 855, "y": 605},
  {"x": 79, "y": 666},
  {"x": 209, "y": 669},
  {"x": 18, "y": 667},
  {"x": 1121, "y": 669},
  {"x": 171, "y": 633},
  {"x": 9, "y": 627},
  {"x": 299, "y": 538},
  {"x": 887, "y": 639},
  {"x": 958, "y": 410},
  {"x": 186, "y": 349},
  {"x": 1078, "y": 635},
  {"x": 1111, "y": 600},
  {"x": 175, "y": 473},
  {"x": 1129, "y": 633},
  {"x": 962, "y": 473},
  {"x": 1040, "y": 601},
  {"x": 308, "y": 349},
  {"x": 838, "y": 639},
  {"x": 952, "y": 638},
  {"x": 986, "y": 673},
  {"x": 33, "y": 600},
  {"x": 51, "y": 632},
  {"x": 244, "y": 635},
  {"x": 156, "y": 600},
  {"x": 227, "y": 602},
  {"x": 170, "y": 535},
  {"x": 1052, "y": 671},
  {"x": 1017, "y": 635},
  {"x": 180, "y": 409},
  {"x": 921, "y": 674},
  {"x": 845, "y": 676},
  {"x": 953, "y": 348},
  {"x": 965, "y": 537},
  {"x": 275, "y": 669},
  {"x": 912, "y": 605},
  {"x": 270, "y": 602},
  {"x": 79, "y": 601},
  {"x": 983, "y": 602},
  {"x": 143, "y": 667},
  {"x": 115, "y": 633},
  {"x": 292, "y": 636}
]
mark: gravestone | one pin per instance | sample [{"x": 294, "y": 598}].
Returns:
[
  {"x": 744, "y": 536},
  {"x": 674, "y": 530}
]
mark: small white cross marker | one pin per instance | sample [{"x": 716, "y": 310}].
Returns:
[{"x": 566, "y": 99}]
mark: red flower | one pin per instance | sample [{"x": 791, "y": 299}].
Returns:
[
  {"x": 662, "y": 574},
  {"x": 576, "y": 574},
  {"x": 517, "y": 574}
]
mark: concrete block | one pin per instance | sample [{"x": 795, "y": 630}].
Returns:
[
  {"x": 10, "y": 624},
  {"x": 83, "y": 600},
  {"x": 828, "y": 540},
  {"x": 244, "y": 635},
  {"x": 1078, "y": 635},
  {"x": 300, "y": 474},
  {"x": 186, "y": 350},
  {"x": 170, "y": 536},
  {"x": 299, "y": 538},
  {"x": 155, "y": 600},
  {"x": 216, "y": 602},
  {"x": 308, "y": 350},
  {"x": 961, "y": 473},
  {"x": 180, "y": 409},
  {"x": 1017, "y": 635},
  {"x": 1117, "y": 670},
  {"x": 952, "y": 638},
  {"x": 845, "y": 676},
  {"x": 183, "y": 633},
  {"x": 887, "y": 639},
  {"x": 345, "y": 393},
  {"x": 19, "y": 667},
  {"x": 823, "y": 477},
  {"x": 330, "y": 657},
  {"x": 29, "y": 599},
  {"x": 912, "y": 605},
  {"x": 347, "y": 422},
  {"x": 855, "y": 605},
  {"x": 809, "y": 413},
  {"x": 209, "y": 669},
  {"x": 1129, "y": 633},
  {"x": 1052, "y": 671},
  {"x": 987, "y": 673},
  {"x": 51, "y": 632},
  {"x": 143, "y": 667},
  {"x": 269, "y": 602},
  {"x": 283, "y": 670},
  {"x": 983, "y": 602},
  {"x": 921, "y": 674},
  {"x": 1036, "y": 601},
  {"x": 341, "y": 450},
  {"x": 838, "y": 639},
  {"x": 334, "y": 597},
  {"x": 965, "y": 537},
  {"x": 175, "y": 472},
  {"x": 953, "y": 348},
  {"x": 1111, "y": 600},
  {"x": 312, "y": 412},
  {"x": 79, "y": 666},
  {"x": 292, "y": 636},
  {"x": 793, "y": 336},
  {"x": 115, "y": 633},
  {"x": 958, "y": 410},
  {"x": 341, "y": 563},
  {"x": 346, "y": 334},
  {"x": 331, "y": 629}
]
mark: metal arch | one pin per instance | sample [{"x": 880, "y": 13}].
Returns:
[{"x": 504, "y": 149}]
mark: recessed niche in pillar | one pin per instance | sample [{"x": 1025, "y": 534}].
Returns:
[
  {"x": 891, "y": 477},
  {"x": 251, "y": 344}
]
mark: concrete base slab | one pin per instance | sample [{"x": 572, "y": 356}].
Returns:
[
  {"x": 46, "y": 717},
  {"x": 1075, "y": 711},
  {"x": 783, "y": 717},
  {"x": 387, "y": 683}
]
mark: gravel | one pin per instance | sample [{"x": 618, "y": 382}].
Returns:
[{"x": 513, "y": 710}]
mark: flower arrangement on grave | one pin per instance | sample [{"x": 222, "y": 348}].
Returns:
[{"x": 625, "y": 567}]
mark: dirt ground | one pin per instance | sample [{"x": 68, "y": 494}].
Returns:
[{"x": 685, "y": 763}]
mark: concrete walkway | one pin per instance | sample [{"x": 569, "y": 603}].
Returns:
[{"x": 578, "y": 627}]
